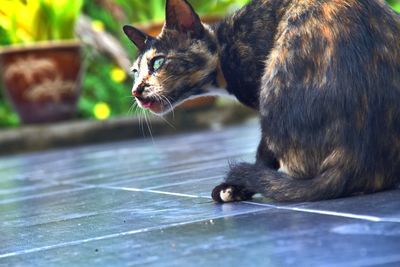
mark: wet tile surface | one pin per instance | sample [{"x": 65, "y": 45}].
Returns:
[{"x": 147, "y": 203}]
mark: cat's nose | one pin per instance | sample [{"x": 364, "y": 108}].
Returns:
[{"x": 137, "y": 92}]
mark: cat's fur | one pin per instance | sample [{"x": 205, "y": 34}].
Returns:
[{"x": 323, "y": 74}]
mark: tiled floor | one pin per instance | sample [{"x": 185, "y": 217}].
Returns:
[{"x": 146, "y": 203}]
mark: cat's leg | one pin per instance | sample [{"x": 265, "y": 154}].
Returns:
[
  {"x": 281, "y": 187},
  {"x": 266, "y": 157},
  {"x": 227, "y": 192}
]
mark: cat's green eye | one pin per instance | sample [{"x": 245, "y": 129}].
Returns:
[
  {"x": 157, "y": 63},
  {"x": 135, "y": 74}
]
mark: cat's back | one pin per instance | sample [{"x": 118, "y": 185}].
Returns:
[
  {"x": 331, "y": 8},
  {"x": 341, "y": 19},
  {"x": 341, "y": 16},
  {"x": 322, "y": 40}
]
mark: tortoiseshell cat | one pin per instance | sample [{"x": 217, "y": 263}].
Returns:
[{"x": 323, "y": 74}]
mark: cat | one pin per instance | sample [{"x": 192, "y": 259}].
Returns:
[{"x": 324, "y": 75}]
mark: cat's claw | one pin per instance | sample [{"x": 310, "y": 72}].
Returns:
[{"x": 224, "y": 193}]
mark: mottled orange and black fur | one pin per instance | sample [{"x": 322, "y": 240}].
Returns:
[{"x": 323, "y": 74}]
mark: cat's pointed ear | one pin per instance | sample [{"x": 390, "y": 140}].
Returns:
[
  {"x": 138, "y": 37},
  {"x": 181, "y": 17}
]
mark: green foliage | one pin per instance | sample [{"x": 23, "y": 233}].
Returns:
[
  {"x": 395, "y": 4},
  {"x": 219, "y": 7},
  {"x": 4, "y": 38},
  {"x": 99, "y": 86},
  {"x": 7, "y": 116},
  {"x": 56, "y": 20},
  {"x": 153, "y": 10},
  {"x": 38, "y": 20}
]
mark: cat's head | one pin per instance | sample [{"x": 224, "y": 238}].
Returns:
[{"x": 179, "y": 64}]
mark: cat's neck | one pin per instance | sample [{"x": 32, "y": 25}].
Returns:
[{"x": 245, "y": 39}]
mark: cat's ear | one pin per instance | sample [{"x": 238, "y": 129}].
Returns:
[
  {"x": 138, "y": 37},
  {"x": 181, "y": 17}
]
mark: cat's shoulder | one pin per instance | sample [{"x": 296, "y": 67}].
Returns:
[
  {"x": 333, "y": 19},
  {"x": 298, "y": 12}
]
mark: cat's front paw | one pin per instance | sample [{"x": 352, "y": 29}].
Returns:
[{"x": 228, "y": 193}]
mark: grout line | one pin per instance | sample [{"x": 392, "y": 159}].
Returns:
[
  {"x": 393, "y": 220},
  {"x": 322, "y": 212},
  {"x": 185, "y": 182},
  {"x": 99, "y": 238},
  {"x": 149, "y": 191},
  {"x": 132, "y": 189},
  {"x": 340, "y": 214}
]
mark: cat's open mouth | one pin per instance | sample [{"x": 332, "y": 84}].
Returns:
[{"x": 150, "y": 103}]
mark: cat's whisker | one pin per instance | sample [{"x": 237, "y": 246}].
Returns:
[
  {"x": 140, "y": 120},
  {"x": 157, "y": 96},
  {"x": 133, "y": 108},
  {"x": 163, "y": 99},
  {"x": 141, "y": 123},
  {"x": 170, "y": 104},
  {"x": 167, "y": 122},
  {"x": 149, "y": 127},
  {"x": 136, "y": 108},
  {"x": 162, "y": 117},
  {"x": 130, "y": 110}
]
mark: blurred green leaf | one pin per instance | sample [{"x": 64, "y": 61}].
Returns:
[
  {"x": 395, "y": 4},
  {"x": 38, "y": 20}
]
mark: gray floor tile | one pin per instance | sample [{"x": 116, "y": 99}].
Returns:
[
  {"x": 78, "y": 215},
  {"x": 147, "y": 203},
  {"x": 267, "y": 238},
  {"x": 23, "y": 190}
]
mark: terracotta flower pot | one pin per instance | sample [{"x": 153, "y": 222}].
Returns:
[{"x": 42, "y": 81}]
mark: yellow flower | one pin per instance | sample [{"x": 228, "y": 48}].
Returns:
[
  {"x": 98, "y": 25},
  {"x": 118, "y": 75},
  {"x": 102, "y": 111}
]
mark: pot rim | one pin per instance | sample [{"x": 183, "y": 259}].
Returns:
[{"x": 39, "y": 46}]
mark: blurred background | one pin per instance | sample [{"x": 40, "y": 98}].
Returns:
[{"x": 68, "y": 59}]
